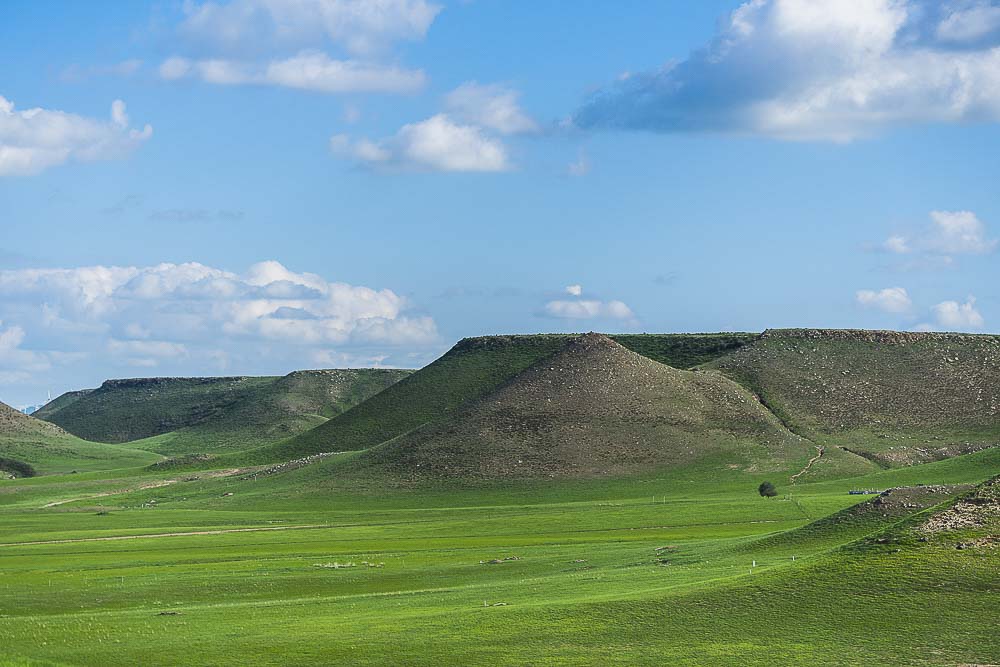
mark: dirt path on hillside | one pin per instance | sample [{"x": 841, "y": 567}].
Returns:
[
  {"x": 112, "y": 538},
  {"x": 147, "y": 485},
  {"x": 819, "y": 454}
]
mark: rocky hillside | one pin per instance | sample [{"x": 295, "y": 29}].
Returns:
[
  {"x": 14, "y": 423},
  {"x": 896, "y": 397},
  {"x": 595, "y": 408}
]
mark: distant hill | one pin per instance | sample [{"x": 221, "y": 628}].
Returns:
[
  {"x": 593, "y": 409},
  {"x": 29, "y": 446},
  {"x": 185, "y": 415},
  {"x": 472, "y": 368},
  {"x": 897, "y": 398},
  {"x": 59, "y": 402}
]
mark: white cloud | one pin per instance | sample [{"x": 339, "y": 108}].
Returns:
[
  {"x": 313, "y": 71},
  {"x": 820, "y": 70},
  {"x": 167, "y": 315},
  {"x": 286, "y": 42},
  {"x": 897, "y": 244},
  {"x": 491, "y": 106},
  {"x": 890, "y": 299},
  {"x": 435, "y": 144},
  {"x": 360, "y": 26},
  {"x": 585, "y": 309},
  {"x": 959, "y": 233},
  {"x": 950, "y": 233},
  {"x": 956, "y": 316},
  {"x": 574, "y": 290},
  {"x": 35, "y": 139}
]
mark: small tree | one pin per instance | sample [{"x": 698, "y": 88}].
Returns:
[{"x": 767, "y": 490}]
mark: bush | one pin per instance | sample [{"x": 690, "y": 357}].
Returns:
[{"x": 767, "y": 490}]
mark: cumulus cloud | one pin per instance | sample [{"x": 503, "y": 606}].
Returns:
[
  {"x": 820, "y": 70},
  {"x": 36, "y": 139},
  {"x": 950, "y": 233},
  {"x": 313, "y": 71},
  {"x": 955, "y": 315},
  {"x": 169, "y": 314},
  {"x": 890, "y": 299},
  {"x": 467, "y": 136},
  {"x": 436, "y": 144},
  {"x": 491, "y": 106},
  {"x": 574, "y": 290}
]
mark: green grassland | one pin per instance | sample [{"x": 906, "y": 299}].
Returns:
[
  {"x": 582, "y": 505},
  {"x": 627, "y": 571}
]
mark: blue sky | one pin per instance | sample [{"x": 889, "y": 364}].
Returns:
[{"x": 257, "y": 186}]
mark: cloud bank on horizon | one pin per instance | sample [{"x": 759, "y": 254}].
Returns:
[{"x": 137, "y": 319}]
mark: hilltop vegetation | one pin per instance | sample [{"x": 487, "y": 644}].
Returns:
[
  {"x": 178, "y": 416},
  {"x": 897, "y": 398}
]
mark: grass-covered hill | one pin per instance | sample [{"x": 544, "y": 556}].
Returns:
[
  {"x": 59, "y": 402},
  {"x": 185, "y": 415},
  {"x": 898, "y": 398},
  {"x": 30, "y": 447},
  {"x": 467, "y": 372},
  {"x": 592, "y": 409}
]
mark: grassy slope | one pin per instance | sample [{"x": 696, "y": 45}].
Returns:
[
  {"x": 183, "y": 415},
  {"x": 588, "y": 585},
  {"x": 899, "y": 398},
  {"x": 45, "y": 448},
  {"x": 472, "y": 368}
]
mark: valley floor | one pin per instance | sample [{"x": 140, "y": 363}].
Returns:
[{"x": 233, "y": 571}]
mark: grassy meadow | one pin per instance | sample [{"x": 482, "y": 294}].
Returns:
[{"x": 688, "y": 567}]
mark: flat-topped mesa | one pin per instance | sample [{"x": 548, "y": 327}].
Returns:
[
  {"x": 593, "y": 408},
  {"x": 131, "y": 383},
  {"x": 884, "y": 336}
]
